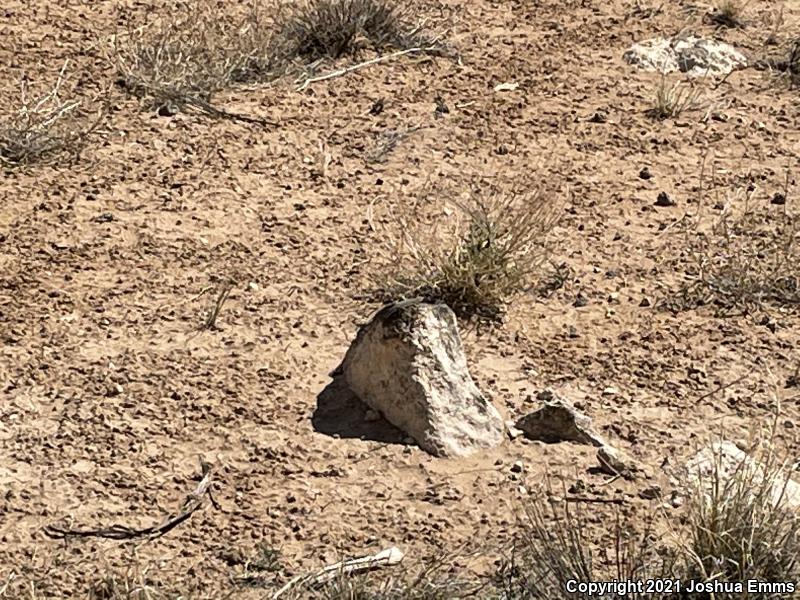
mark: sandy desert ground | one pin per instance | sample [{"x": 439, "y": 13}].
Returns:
[{"x": 109, "y": 392}]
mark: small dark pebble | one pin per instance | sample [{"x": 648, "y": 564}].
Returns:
[
  {"x": 645, "y": 174},
  {"x": 103, "y": 218},
  {"x": 664, "y": 200},
  {"x": 778, "y": 199}
]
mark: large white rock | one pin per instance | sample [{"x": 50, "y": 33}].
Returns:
[
  {"x": 722, "y": 461},
  {"x": 690, "y": 54},
  {"x": 409, "y": 365}
]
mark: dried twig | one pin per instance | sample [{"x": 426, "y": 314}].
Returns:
[
  {"x": 356, "y": 67},
  {"x": 589, "y": 500},
  {"x": 121, "y": 532},
  {"x": 211, "y": 320},
  {"x": 390, "y": 556}
]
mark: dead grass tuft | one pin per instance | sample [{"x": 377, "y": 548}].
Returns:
[
  {"x": 185, "y": 58},
  {"x": 487, "y": 251},
  {"x": 317, "y": 29},
  {"x": 739, "y": 527},
  {"x": 730, "y": 13},
  {"x": 672, "y": 99},
  {"x": 45, "y": 126},
  {"x": 745, "y": 261},
  {"x": 553, "y": 549}
]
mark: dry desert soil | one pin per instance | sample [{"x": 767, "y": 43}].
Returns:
[{"x": 111, "y": 391}]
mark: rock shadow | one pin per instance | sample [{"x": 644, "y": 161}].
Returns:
[{"x": 341, "y": 414}]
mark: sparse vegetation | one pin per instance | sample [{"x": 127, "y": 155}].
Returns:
[
  {"x": 672, "y": 99},
  {"x": 182, "y": 60},
  {"x": 45, "y": 126},
  {"x": 730, "y": 13},
  {"x": 554, "y": 549},
  {"x": 493, "y": 250},
  {"x": 739, "y": 527},
  {"x": 316, "y": 29},
  {"x": 745, "y": 260},
  {"x": 387, "y": 141}
]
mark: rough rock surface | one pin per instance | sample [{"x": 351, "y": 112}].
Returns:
[
  {"x": 615, "y": 462},
  {"x": 692, "y": 55},
  {"x": 727, "y": 459},
  {"x": 408, "y": 364},
  {"x": 559, "y": 421}
]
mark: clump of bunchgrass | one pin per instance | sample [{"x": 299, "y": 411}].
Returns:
[
  {"x": 739, "y": 525},
  {"x": 554, "y": 553},
  {"x": 317, "y": 29},
  {"x": 490, "y": 249},
  {"x": 672, "y": 99}
]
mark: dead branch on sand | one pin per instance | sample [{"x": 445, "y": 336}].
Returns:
[
  {"x": 390, "y": 556},
  {"x": 362, "y": 65},
  {"x": 121, "y": 532}
]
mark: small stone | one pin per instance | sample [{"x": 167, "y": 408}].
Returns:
[
  {"x": 664, "y": 200},
  {"x": 614, "y": 462},
  {"x": 598, "y": 117},
  {"x": 167, "y": 110},
  {"x": 650, "y": 493},
  {"x": 517, "y": 467},
  {"x": 559, "y": 421},
  {"x": 580, "y": 301},
  {"x": 252, "y": 286},
  {"x": 645, "y": 174},
  {"x": 512, "y": 431},
  {"x": 610, "y": 391},
  {"x": 778, "y": 199},
  {"x": 103, "y": 218},
  {"x": 644, "y": 303}
]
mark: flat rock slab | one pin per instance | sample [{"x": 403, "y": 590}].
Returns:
[
  {"x": 408, "y": 364},
  {"x": 691, "y": 55},
  {"x": 558, "y": 421}
]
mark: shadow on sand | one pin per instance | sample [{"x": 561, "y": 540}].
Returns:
[{"x": 340, "y": 413}]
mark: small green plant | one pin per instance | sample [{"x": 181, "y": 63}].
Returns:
[
  {"x": 494, "y": 250},
  {"x": 672, "y": 99}
]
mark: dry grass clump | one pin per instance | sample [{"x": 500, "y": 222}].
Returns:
[
  {"x": 672, "y": 99},
  {"x": 185, "y": 58},
  {"x": 745, "y": 262},
  {"x": 739, "y": 527},
  {"x": 730, "y": 13},
  {"x": 317, "y": 29},
  {"x": 487, "y": 251},
  {"x": 553, "y": 550},
  {"x": 45, "y": 126}
]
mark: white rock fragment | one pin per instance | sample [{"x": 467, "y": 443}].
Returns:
[
  {"x": 692, "y": 55},
  {"x": 408, "y": 364}
]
